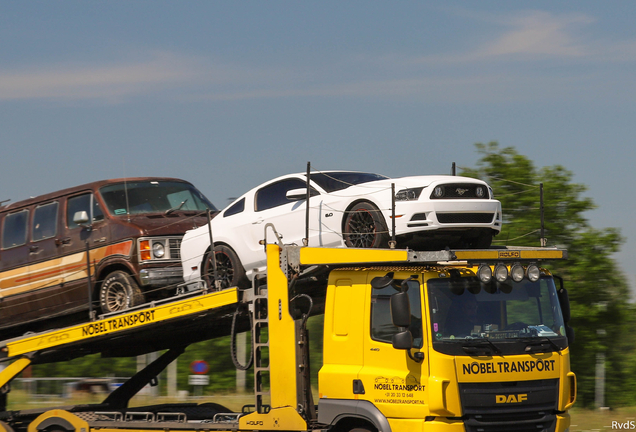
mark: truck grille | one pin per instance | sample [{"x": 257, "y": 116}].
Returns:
[
  {"x": 175, "y": 248},
  {"x": 510, "y": 406},
  {"x": 448, "y": 218}
]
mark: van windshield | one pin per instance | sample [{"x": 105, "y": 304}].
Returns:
[{"x": 141, "y": 197}]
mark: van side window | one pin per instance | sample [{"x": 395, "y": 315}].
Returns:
[
  {"x": 82, "y": 203},
  {"x": 44, "y": 222},
  {"x": 14, "y": 229}
]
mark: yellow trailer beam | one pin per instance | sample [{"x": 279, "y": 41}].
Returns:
[{"x": 120, "y": 323}]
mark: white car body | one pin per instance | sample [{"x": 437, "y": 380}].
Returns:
[{"x": 241, "y": 225}]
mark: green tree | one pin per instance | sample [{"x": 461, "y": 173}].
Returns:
[{"x": 599, "y": 294}]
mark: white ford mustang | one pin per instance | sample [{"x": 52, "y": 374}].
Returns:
[{"x": 346, "y": 209}]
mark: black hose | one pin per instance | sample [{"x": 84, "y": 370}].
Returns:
[{"x": 233, "y": 342}]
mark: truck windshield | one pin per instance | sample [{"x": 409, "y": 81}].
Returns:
[
  {"x": 140, "y": 197},
  {"x": 463, "y": 309}
]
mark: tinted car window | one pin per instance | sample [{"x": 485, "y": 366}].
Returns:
[
  {"x": 44, "y": 222},
  {"x": 14, "y": 229},
  {"x": 82, "y": 203},
  {"x": 335, "y": 181},
  {"x": 153, "y": 197},
  {"x": 236, "y": 208},
  {"x": 275, "y": 194}
]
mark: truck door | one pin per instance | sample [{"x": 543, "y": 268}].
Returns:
[{"x": 392, "y": 380}]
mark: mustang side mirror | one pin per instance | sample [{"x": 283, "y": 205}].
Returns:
[{"x": 296, "y": 194}]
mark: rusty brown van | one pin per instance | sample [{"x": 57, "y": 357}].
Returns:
[{"x": 133, "y": 229}]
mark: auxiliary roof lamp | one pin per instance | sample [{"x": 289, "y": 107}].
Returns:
[{"x": 484, "y": 273}]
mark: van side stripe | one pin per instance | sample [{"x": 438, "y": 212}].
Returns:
[{"x": 66, "y": 269}]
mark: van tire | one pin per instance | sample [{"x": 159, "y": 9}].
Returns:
[{"x": 119, "y": 292}]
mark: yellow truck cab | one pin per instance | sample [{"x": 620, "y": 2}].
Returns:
[
  {"x": 437, "y": 348},
  {"x": 453, "y": 340}
]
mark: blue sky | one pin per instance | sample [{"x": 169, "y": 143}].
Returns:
[{"x": 230, "y": 94}]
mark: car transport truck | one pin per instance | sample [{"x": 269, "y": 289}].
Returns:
[{"x": 451, "y": 340}]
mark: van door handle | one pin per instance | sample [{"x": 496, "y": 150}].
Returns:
[
  {"x": 258, "y": 221},
  {"x": 33, "y": 249},
  {"x": 64, "y": 241}
]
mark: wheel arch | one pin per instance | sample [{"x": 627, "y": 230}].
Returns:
[
  {"x": 109, "y": 268},
  {"x": 347, "y": 424},
  {"x": 57, "y": 420},
  {"x": 209, "y": 248},
  {"x": 345, "y": 415},
  {"x": 353, "y": 204}
]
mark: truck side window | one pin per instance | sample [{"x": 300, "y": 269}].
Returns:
[
  {"x": 14, "y": 229},
  {"x": 44, "y": 222},
  {"x": 382, "y": 328},
  {"x": 82, "y": 203}
]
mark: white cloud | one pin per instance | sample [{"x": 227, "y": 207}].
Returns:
[
  {"x": 538, "y": 33},
  {"x": 95, "y": 82}
]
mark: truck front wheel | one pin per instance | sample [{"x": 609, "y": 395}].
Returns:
[{"x": 119, "y": 292}]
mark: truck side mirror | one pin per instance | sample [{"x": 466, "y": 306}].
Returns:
[
  {"x": 402, "y": 340},
  {"x": 80, "y": 218},
  {"x": 401, "y": 317},
  {"x": 569, "y": 333},
  {"x": 400, "y": 309},
  {"x": 564, "y": 300}
]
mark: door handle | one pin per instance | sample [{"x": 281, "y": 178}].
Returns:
[
  {"x": 258, "y": 221},
  {"x": 33, "y": 249},
  {"x": 64, "y": 241}
]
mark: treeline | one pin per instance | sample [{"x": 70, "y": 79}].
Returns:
[{"x": 602, "y": 314}]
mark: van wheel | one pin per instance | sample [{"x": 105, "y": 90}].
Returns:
[
  {"x": 229, "y": 269},
  {"x": 119, "y": 292},
  {"x": 364, "y": 227}
]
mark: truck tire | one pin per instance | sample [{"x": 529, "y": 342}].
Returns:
[
  {"x": 229, "y": 269},
  {"x": 364, "y": 227},
  {"x": 119, "y": 292}
]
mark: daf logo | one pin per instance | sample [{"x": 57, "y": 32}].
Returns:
[
  {"x": 461, "y": 191},
  {"x": 511, "y": 398}
]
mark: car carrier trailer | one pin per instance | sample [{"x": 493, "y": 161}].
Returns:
[{"x": 395, "y": 357}]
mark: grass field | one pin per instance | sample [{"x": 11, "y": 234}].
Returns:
[
  {"x": 594, "y": 420},
  {"x": 582, "y": 420}
]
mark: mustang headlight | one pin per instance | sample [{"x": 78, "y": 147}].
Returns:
[
  {"x": 438, "y": 192},
  {"x": 480, "y": 191},
  {"x": 408, "y": 194}
]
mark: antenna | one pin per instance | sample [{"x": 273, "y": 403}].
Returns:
[
  {"x": 306, "y": 239},
  {"x": 126, "y": 191}
]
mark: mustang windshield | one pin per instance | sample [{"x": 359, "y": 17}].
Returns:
[
  {"x": 335, "y": 181},
  {"x": 153, "y": 197},
  {"x": 465, "y": 311}
]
